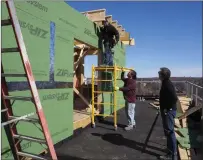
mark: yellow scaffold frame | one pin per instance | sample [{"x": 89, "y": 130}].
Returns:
[{"x": 114, "y": 69}]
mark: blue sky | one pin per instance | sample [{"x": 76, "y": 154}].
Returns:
[{"x": 167, "y": 34}]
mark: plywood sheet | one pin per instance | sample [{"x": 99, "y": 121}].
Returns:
[{"x": 80, "y": 120}]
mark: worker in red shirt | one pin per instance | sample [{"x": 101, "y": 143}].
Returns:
[{"x": 129, "y": 93}]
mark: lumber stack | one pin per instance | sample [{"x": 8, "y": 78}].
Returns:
[{"x": 188, "y": 138}]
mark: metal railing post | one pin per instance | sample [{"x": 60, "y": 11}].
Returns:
[
  {"x": 191, "y": 91},
  {"x": 196, "y": 95},
  {"x": 186, "y": 88}
]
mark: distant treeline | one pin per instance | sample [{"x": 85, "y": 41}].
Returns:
[
  {"x": 196, "y": 80},
  {"x": 153, "y": 88}
]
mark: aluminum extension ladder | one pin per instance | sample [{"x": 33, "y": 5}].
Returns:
[{"x": 9, "y": 121}]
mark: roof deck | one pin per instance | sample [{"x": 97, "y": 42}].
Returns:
[{"x": 103, "y": 142}]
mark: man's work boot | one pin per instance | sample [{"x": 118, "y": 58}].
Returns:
[{"x": 129, "y": 127}]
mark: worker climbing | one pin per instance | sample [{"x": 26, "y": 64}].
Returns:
[{"x": 110, "y": 37}]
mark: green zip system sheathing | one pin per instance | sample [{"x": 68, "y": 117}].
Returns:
[{"x": 49, "y": 30}]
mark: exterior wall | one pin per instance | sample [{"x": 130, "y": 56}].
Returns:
[{"x": 49, "y": 29}]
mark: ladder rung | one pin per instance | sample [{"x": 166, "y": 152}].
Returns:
[
  {"x": 32, "y": 120},
  {"x": 103, "y": 92},
  {"x": 4, "y": 110},
  {"x": 6, "y": 22},
  {"x": 34, "y": 156},
  {"x": 13, "y": 75},
  {"x": 28, "y": 138},
  {"x": 16, "y": 119},
  {"x": 18, "y": 98},
  {"x": 100, "y": 80},
  {"x": 4, "y": 50}
]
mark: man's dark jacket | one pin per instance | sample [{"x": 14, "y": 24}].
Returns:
[
  {"x": 108, "y": 32},
  {"x": 168, "y": 97},
  {"x": 129, "y": 89}
]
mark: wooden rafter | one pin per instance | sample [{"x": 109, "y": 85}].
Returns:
[
  {"x": 131, "y": 42},
  {"x": 95, "y": 15},
  {"x": 119, "y": 28},
  {"x": 115, "y": 24},
  {"x": 91, "y": 49},
  {"x": 109, "y": 18},
  {"x": 77, "y": 42},
  {"x": 81, "y": 55}
]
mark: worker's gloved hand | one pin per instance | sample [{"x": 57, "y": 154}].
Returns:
[{"x": 116, "y": 88}]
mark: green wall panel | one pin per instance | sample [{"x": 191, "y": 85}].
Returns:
[
  {"x": 64, "y": 53},
  {"x": 56, "y": 105}
]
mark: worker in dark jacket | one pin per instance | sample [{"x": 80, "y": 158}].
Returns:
[
  {"x": 168, "y": 100},
  {"x": 110, "y": 37},
  {"x": 129, "y": 93}
]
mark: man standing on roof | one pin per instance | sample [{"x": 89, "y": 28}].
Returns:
[
  {"x": 110, "y": 37},
  {"x": 129, "y": 94},
  {"x": 168, "y": 100}
]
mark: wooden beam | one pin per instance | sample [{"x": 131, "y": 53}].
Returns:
[
  {"x": 74, "y": 80},
  {"x": 190, "y": 111},
  {"x": 78, "y": 42},
  {"x": 115, "y": 23},
  {"x": 81, "y": 73},
  {"x": 109, "y": 18},
  {"x": 95, "y": 15},
  {"x": 126, "y": 37},
  {"x": 122, "y": 33},
  {"x": 119, "y": 28},
  {"x": 130, "y": 42},
  {"x": 93, "y": 11},
  {"x": 82, "y": 53},
  {"x": 92, "y": 52}
]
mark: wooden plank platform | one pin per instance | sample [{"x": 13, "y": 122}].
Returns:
[{"x": 81, "y": 119}]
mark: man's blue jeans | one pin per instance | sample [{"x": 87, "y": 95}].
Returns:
[
  {"x": 108, "y": 57},
  {"x": 168, "y": 125},
  {"x": 130, "y": 113}
]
